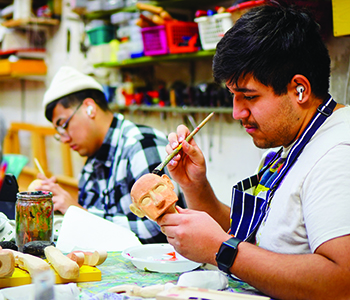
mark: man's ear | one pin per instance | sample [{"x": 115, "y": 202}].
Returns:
[
  {"x": 89, "y": 105},
  {"x": 168, "y": 181},
  {"x": 136, "y": 211},
  {"x": 301, "y": 88}
]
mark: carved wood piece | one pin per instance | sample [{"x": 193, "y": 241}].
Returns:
[
  {"x": 7, "y": 263},
  {"x": 153, "y": 196},
  {"x": 95, "y": 258},
  {"x": 34, "y": 184},
  {"x": 32, "y": 264},
  {"x": 64, "y": 266},
  {"x": 91, "y": 258},
  {"x": 137, "y": 291},
  {"x": 78, "y": 257}
]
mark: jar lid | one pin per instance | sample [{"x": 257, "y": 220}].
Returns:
[{"x": 34, "y": 194}]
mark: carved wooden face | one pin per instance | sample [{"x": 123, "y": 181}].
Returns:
[{"x": 152, "y": 196}]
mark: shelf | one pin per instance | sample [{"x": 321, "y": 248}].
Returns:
[
  {"x": 183, "y": 4},
  {"x": 149, "y": 60},
  {"x": 105, "y": 14},
  {"x": 23, "y": 77},
  {"x": 36, "y": 3},
  {"x": 30, "y": 21},
  {"x": 187, "y": 4},
  {"x": 183, "y": 109}
]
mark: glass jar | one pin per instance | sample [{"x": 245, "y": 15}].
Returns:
[{"x": 34, "y": 217}]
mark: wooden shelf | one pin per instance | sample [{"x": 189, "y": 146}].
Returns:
[
  {"x": 30, "y": 21},
  {"x": 150, "y": 60},
  {"x": 105, "y": 14},
  {"x": 183, "y": 4},
  {"x": 182, "y": 109},
  {"x": 23, "y": 77}
]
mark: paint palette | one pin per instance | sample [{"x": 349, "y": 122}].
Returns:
[
  {"x": 21, "y": 277},
  {"x": 159, "y": 258}
]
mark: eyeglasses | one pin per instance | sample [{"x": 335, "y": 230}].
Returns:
[{"x": 62, "y": 130}]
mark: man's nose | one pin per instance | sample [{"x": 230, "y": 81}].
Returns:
[
  {"x": 65, "y": 138},
  {"x": 239, "y": 111}
]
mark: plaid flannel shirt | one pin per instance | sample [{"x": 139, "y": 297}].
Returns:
[{"x": 128, "y": 151}]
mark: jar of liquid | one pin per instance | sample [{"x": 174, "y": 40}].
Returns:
[{"x": 34, "y": 217}]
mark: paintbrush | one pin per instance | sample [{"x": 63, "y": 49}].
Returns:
[
  {"x": 39, "y": 166},
  {"x": 160, "y": 167}
]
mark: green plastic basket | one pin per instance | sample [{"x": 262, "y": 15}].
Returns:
[{"x": 101, "y": 35}]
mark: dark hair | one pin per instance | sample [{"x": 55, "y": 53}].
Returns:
[
  {"x": 273, "y": 43},
  {"x": 75, "y": 99}
]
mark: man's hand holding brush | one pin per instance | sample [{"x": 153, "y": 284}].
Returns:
[
  {"x": 193, "y": 225},
  {"x": 188, "y": 167}
]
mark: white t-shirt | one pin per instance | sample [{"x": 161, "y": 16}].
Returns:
[{"x": 312, "y": 204}]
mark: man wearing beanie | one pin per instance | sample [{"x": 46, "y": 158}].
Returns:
[{"x": 118, "y": 151}]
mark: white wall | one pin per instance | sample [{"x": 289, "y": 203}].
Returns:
[{"x": 229, "y": 151}]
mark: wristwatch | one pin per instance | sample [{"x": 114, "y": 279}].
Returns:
[{"x": 227, "y": 254}]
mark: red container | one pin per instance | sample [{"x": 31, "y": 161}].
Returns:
[{"x": 182, "y": 36}]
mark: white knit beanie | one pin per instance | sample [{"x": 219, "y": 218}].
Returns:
[{"x": 67, "y": 81}]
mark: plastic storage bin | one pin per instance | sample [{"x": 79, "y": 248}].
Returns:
[
  {"x": 213, "y": 28},
  {"x": 154, "y": 40},
  {"x": 182, "y": 36},
  {"x": 173, "y": 37},
  {"x": 101, "y": 34}
]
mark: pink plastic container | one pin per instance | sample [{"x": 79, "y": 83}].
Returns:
[{"x": 154, "y": 40}]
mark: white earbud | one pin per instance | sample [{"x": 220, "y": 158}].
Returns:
[
  {"x": 300, "y": 90},
  {"x": 89, "y": 110}
]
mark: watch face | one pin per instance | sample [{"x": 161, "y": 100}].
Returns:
[{"x": 227, "y": 254}]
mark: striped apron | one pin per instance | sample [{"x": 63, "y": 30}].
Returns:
[{"x": 247, "y": 210}]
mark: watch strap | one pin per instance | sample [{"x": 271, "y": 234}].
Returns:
[{"x": 227, "y": 254}]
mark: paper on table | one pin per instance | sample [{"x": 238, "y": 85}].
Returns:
[{"x": 85, "y": 231}]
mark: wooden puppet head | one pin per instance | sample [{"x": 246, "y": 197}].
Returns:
[{"x": 153, "y": 196}]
